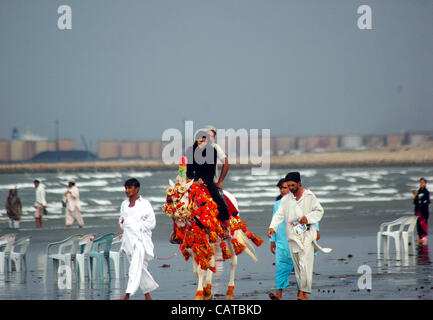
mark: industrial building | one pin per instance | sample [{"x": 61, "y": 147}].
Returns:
[
  {"x": 110, "y": 150},
  {"x": 20, "y": 150}
]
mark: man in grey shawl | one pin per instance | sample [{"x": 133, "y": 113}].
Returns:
[{"x": 14, "y": 209}]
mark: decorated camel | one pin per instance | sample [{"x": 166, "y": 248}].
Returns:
[{"x": 198, "y": 231}]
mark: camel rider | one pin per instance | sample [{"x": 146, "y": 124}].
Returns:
[
  {"x": 201, "y": 167},
  {"x": 221, "y": 157}
]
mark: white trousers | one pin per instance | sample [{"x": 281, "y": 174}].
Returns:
[
  {"x": 138, "y": 274},
  {"x": 303, "y": 261},
  {"x": 14, "y": 224},
  {"x": 72, "y": 215}
]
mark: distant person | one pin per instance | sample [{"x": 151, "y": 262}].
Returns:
[
  {"x": 40, "y": 203},
  {"x": 14, "y": 209},
  {"x": 137, "y": 220},
  {"x": 71, "y": 200},
  {"x": 421, "y": 201},
  {"x": 301, "y": 210},
  {"x": 280, "y": 247}
]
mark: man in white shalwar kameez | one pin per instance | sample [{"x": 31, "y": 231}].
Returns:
[
  {"x": 71, "y": 199},
  {"x": 303, "y": 205},
  {"x": 40, "y": 203},
  {"x": 137, "y": 219}
]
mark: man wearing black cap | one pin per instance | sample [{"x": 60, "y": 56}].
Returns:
[{"x": 302, "y": 210}]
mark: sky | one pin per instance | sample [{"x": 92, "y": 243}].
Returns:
[{"x": 130, "y": 69}]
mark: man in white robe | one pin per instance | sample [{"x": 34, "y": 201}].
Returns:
[
  {"x": 40, "y": 203},
  {"x": 137, "y": 219},
  {"x": 303, "y": 205},
  {"x": 71, "y": 199}
]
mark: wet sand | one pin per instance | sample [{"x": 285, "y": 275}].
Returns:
[{"x": 336, "y": 273}]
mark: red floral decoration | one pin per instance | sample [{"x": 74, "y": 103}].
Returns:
[{"x": 202, "y": 226}]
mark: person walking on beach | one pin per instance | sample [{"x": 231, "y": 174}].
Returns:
[
  {"x": 13, "y": 209},
  {"x": 40, "y": 203},
  {"x": 71, "y": 199},
  {"x": 137, "y": 220},
  {"x": 421, "y": 201},
  {"x": 301, "y": 210},
  {"x": 280, "y": 247}
]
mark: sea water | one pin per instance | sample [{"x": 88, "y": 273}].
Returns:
[{"x": 342, "y": 191}]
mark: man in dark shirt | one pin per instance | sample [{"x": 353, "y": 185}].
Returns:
[
  {"x": 421, "y": 202},
  {"x": 201, "y": 166}
]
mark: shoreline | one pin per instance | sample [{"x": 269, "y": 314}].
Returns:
[{"x": 369, "y": 158}]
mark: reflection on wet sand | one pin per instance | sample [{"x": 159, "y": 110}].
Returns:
[
  {"x": 421, "y": 258},
  {"x": 423, "y": 255},
  {"x": 36, "y": 284}
]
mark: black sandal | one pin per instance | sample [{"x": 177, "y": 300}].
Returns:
[{"x": 273, "y": 296}]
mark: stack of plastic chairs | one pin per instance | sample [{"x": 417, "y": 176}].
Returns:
[
  {"x": 82, "y": 258},
  {"x": 118, "y": 258},
  {"x": 18, "y": 257},
  {"x": 396, "y": 230},
  {"x": 102, "y": 258},
  {"x": 6, "y": 243},
  {"x": 66, "y": 252},
  {"x": 408, "y": 234}
]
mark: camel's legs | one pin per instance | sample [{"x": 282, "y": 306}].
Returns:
[
  {"x": 233, "y": 265},
  {"x": 200, "y": 273},
  {"x": 207, "y": 293}
]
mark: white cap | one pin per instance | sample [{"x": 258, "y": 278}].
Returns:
[{"x": 210, "y": 127}]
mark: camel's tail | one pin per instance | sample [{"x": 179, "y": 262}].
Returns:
[{"x": 242, "y": 238}]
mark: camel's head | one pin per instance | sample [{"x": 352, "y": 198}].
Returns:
[{"x": 177, "y": 196}]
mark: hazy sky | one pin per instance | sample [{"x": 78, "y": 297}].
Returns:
[{"x": 128, "y": 70}]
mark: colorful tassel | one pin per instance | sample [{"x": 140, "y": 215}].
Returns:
[
  {"x": 181, "y": 174},
  {"x": 239, "y": 247},
  {"x": 242, "y": 224},
  {"x": 255, "y": 239},
  {"x": 225, "y": 251},
  {"x": 213, "y": 237},
  {"x": 185, "y": 253}
]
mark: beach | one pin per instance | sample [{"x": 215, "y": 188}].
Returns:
[
  {"x": 335, "y": 274},
  {"x": 356, "y": 202}
]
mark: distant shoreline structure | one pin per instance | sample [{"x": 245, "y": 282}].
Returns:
[
  {"x": 29, "y": 148},
  {"x": 403, "y": 157}
]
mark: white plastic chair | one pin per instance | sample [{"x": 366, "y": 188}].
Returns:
[
  {"x": 82, "y": 257},
  {"x": 408, "y": 233},
  {"x": 118, "y": 256},
  {"x": 66, "y": 252},
  {"x": 389, "y": 230},
  {"x": 6, "y": 242},
  {"x": 18, "y": 258}
]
